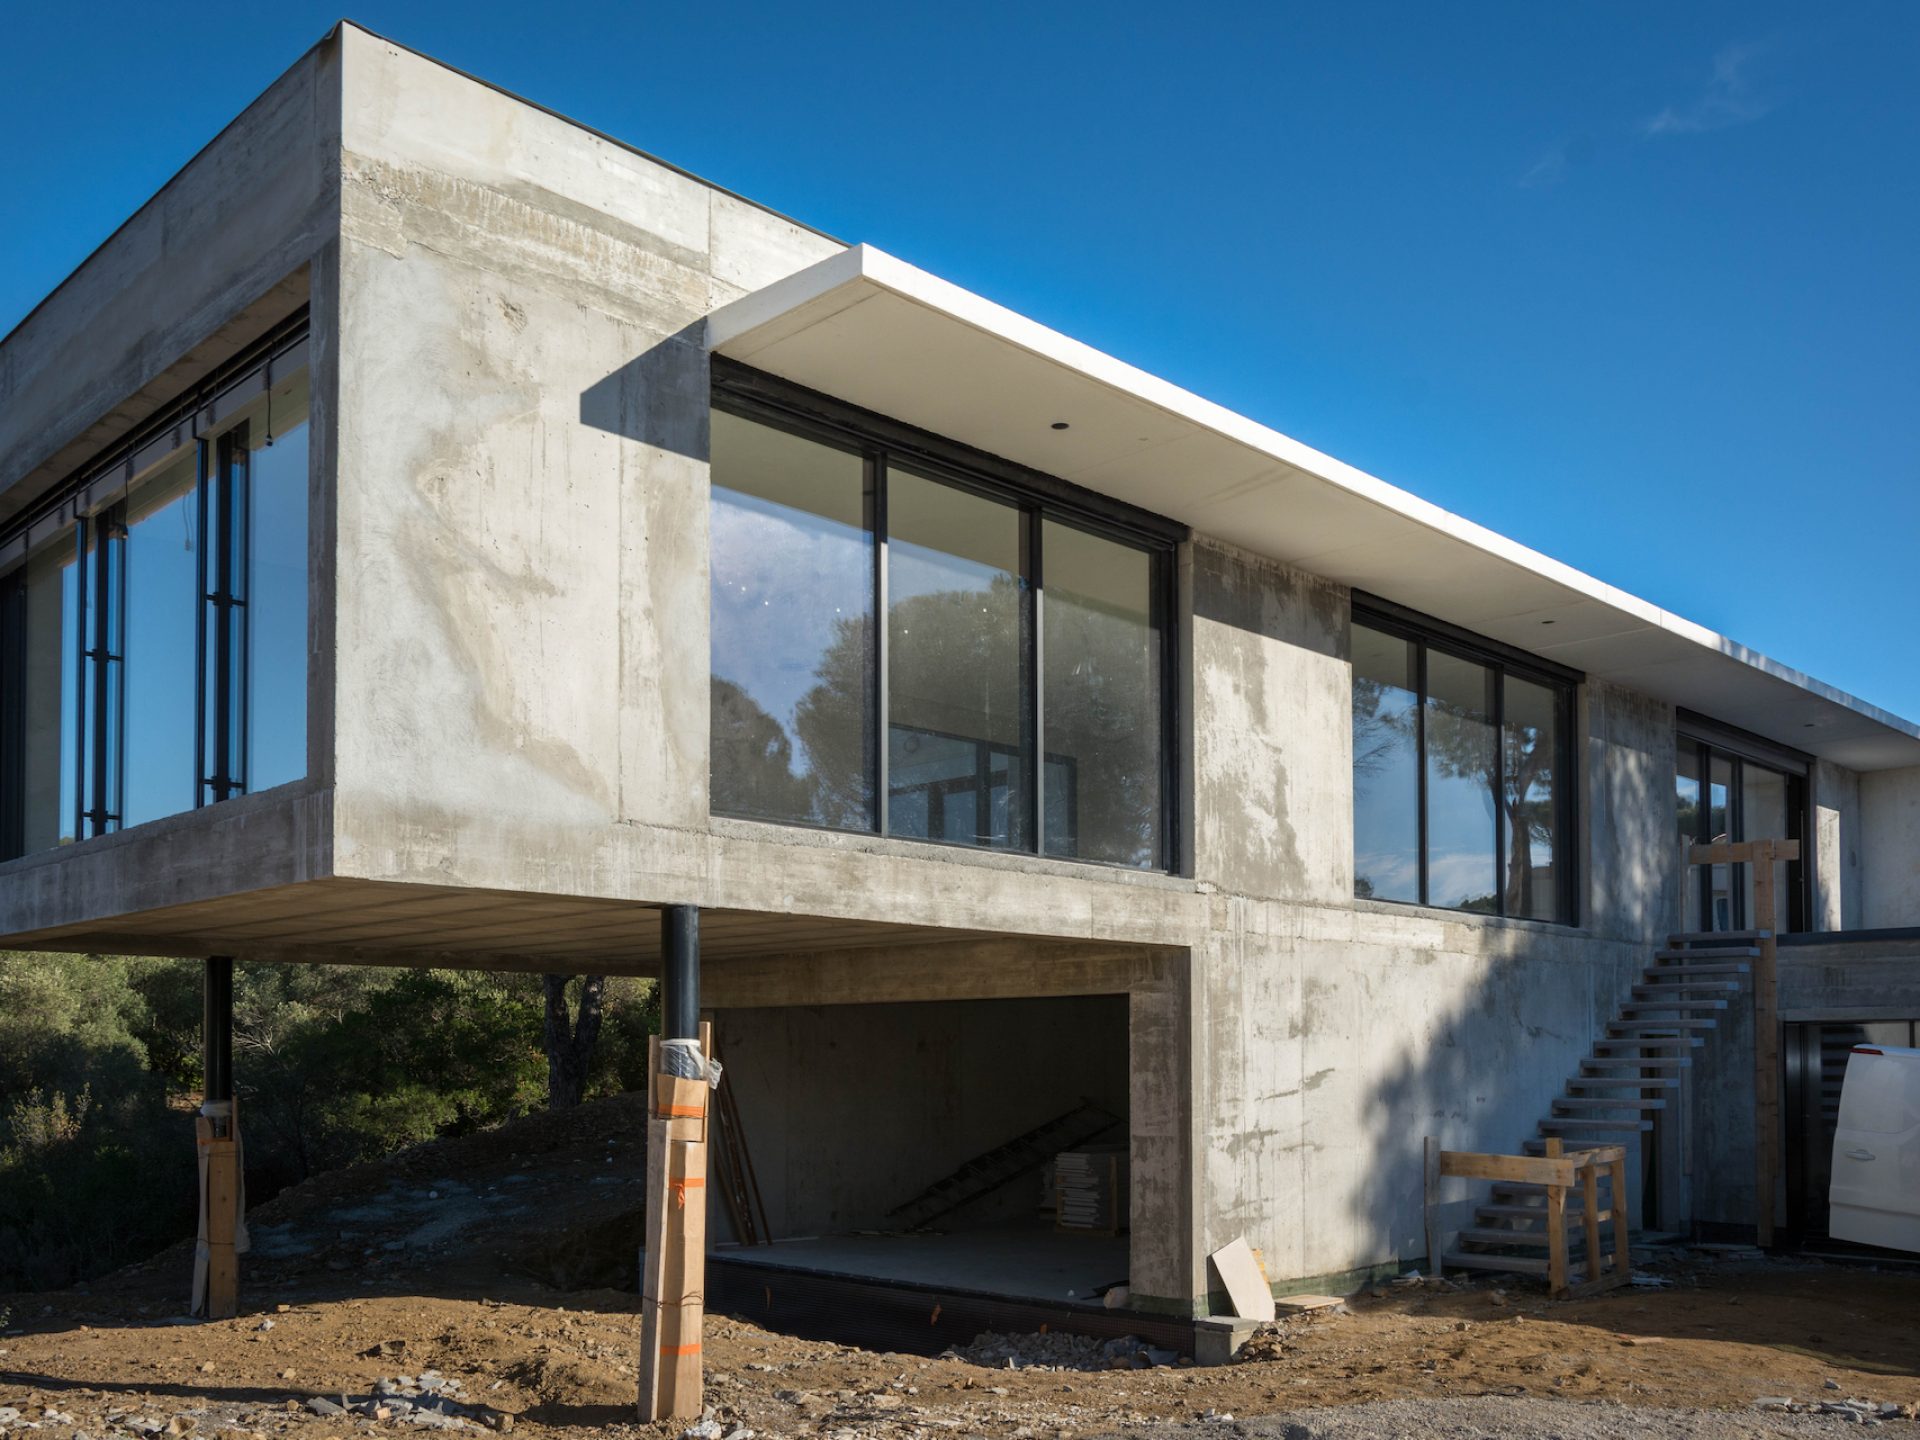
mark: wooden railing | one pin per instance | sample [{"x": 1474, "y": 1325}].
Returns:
[{"x": 1558, "y": 1173}]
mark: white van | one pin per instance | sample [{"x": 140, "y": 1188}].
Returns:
[{"x": 1876, "y": 1149}]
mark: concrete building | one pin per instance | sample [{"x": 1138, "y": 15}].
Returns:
[{"x": 435, "y": 533}]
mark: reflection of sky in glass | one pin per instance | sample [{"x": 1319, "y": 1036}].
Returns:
[
  {"x": 781, "y": 578},
  {"x": 162, "y": 614},
  {"x": 1460, "y": 803},
  {"x": 277, "y": 612}
]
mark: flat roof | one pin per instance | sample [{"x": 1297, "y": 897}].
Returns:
[{"x": 870, "y": 329}]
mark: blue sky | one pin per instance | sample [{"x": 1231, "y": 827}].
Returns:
[{"x": 1638, "y": 284}]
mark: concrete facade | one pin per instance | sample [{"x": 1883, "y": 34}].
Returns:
[{"x": 508, "y": 727}]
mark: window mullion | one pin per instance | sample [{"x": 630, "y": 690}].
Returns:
[
  {"x": 883, "y": 737},
  {"x": 1500, "y": 845},
  {"x": 1034, "y": 655},
  {"x": 1420, "y": 752}
]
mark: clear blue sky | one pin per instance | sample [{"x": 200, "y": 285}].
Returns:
[{"x": 1636, "y": 283}]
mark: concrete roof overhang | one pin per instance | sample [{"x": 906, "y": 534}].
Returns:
[{"x": 871, "y": 330}]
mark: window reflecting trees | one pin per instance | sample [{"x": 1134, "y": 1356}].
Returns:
[
  {"x": 1460, "y": 769},
  {"x": 1011, "y": 634}
]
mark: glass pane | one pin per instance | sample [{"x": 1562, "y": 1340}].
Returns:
[
  {"x": 1533, "y": 843},
  {"x": 956, "y": 710},
  {"x": 277, "y": 589},
  {"x": 162, "y": 613},
  {"x": 1763, "y": 816},
  {"x": 1720, "y": 914},
  {"x": 1460, "y": 804},
  {"x": 51, "y": 691},
  {"x": 1688, "y": 820},
  {"x": 1386, "y": 768},
  {"x": 1102, "y": 699},
  {"x": 791, "y": 711}
]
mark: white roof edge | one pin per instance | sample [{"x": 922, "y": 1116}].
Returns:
[{"x": 835, "y": 283}]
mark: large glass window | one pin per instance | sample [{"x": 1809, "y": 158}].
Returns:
[
  {"x": 153, "y": 650},
  {"x": 1731, "y": 787},
  {"x": 1101, "y": 639},
  {"x": 1021, "y": 684},
  {"x": 958, "y": 756},
  {"x": 1461, "y": 774},
  {"x": 791, "y": 717}
]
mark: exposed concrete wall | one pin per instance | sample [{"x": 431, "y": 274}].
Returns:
[
  {"x": 853, "y": 1109},
  {"x": 1837, "y": 848},
  {"x": 1890, "y": 849},
  {"x": 1332, "y": 1035}
]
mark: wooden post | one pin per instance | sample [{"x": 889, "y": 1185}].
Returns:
[
  {"x": 1766, "y": 1047},
  {"x": 1590, "y": 1218},
  {"x": 1436, "y": 1267},
  {"x": 1556, "y": 1228},
  {"x": 1622, "y": 1222},
  {"x": 673, "y": 1278}
]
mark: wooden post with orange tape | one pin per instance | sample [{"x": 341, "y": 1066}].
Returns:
[{"x": 673, "y": 1267}]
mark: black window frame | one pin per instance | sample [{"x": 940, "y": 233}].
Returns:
[
  {"x": 1425, "y": 633},
  {"x": 98, "y": 535},
  {"x": 882, "y": 441},
  {"x": 1709, "y": 738}
]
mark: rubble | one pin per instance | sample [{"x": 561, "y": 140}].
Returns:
[{"x": 1053, "y": 1351}]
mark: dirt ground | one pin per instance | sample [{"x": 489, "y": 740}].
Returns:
[{"x": 441, "y": 1267}]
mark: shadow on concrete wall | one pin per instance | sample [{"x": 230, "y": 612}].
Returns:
[{"x": 659, "y": 398}]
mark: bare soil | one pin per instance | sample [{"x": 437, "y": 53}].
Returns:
[{"x": 488, "y": 1260}]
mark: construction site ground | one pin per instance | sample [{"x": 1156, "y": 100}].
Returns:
[{"x": 485, "y": 1271}]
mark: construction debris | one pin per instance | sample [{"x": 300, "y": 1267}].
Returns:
[{"x": 1061, "y": 1352}]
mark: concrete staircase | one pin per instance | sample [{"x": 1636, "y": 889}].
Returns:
[{"x": 1669, "y": 1014}]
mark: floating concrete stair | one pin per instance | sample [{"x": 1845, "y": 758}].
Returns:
[{"x": 1673, "y": 1007}]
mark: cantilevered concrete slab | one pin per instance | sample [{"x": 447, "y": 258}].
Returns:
[{"x": 867, "y": 328}]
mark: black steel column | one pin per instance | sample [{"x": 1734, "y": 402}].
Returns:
[
  {"x": 680, "y": 972},
  {"x": 216, "y": 1029}
]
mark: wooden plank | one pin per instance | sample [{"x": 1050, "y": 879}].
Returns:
[
  {"x": 1469, "y": 1165},
  {"x": 1556, "y": 1227},
  {"x": 1430, "y": 1178},
  {"x": 1745, "y": 852},
  {"x": 1622, "y": 1223},
  {"x": 1590, "y": 1218},
  {"x": 223, "y": 1215},
  {"x": 1766, "y": 1052}
]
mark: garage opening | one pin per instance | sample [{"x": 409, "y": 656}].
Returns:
[{"x": 975, "y": 1146}]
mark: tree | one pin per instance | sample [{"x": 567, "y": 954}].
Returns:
[{"x": 568, "y": 1039}]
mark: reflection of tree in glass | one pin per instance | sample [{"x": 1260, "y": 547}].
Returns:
[
  {"x": 1458, "y": 749},
  {"x": 832, "y": 721},
  {"x": 752, "y": 759},
  {"x": 1102, "y": 718}
]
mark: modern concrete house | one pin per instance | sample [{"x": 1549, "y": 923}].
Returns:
[{"x": 435, "y": 533}]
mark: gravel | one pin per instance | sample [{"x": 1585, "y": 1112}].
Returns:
[{"x": 1498, "y": 1418}]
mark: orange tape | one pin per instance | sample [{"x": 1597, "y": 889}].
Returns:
[
  {"x": 680, "y": 1188},
  {"x": 682, "y": 1112},
  {"x": 693, "y": 1349}
]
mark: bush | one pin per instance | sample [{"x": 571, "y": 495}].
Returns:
[{"x": 100, "y": 1073}]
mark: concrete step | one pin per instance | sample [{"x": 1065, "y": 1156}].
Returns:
[
  {"x": 1511, "y": 1190},
  {"x": 1572, "y": 1147},
  {"x": 1582, "y": 1125},
  {"x": 1650, "y": 1042},
  {"x": 1623, "y": 1082},
  {"x": 1624, "y": 1102},
  {"x": 1510, "y": 1264},
  {"x": 1717, "y": 937},
  {"x": 1533, "y": 1212},
  {"x": 1677, "y": 1002},
  {"x": 1717, "y": 968},
  {"x": 1629, "y": 1062},
  {"x": 1659, "y": 989},
  {"x": 1629, "y": 1027},
  {"x": 1712, "y": 954}
]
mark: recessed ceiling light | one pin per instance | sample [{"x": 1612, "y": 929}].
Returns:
[
  {"x": 1546, "y": 622},
  {"x": 1059, "y": 424}
]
